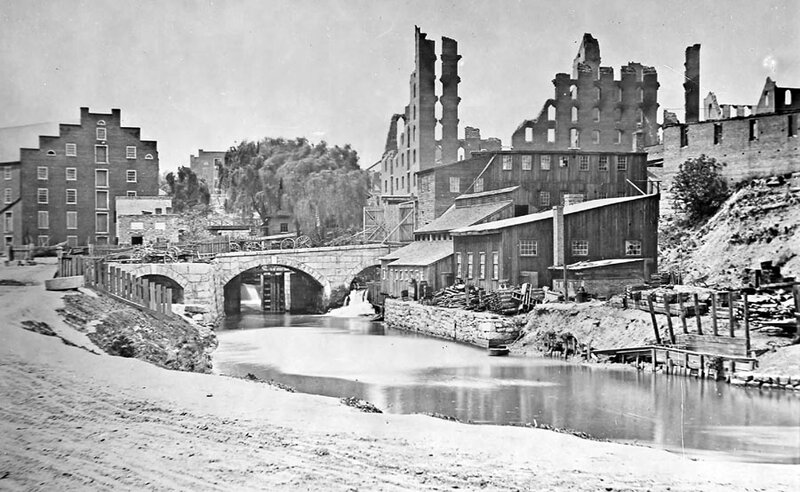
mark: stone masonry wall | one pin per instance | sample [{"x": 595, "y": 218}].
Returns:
[{"x": 454, "y": 324}]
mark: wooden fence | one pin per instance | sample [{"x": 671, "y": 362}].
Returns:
[{"x": 118, "y": 284}]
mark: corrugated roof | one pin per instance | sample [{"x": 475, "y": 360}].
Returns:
[
  {"x": 487, "y": 193},
  {"x": 495, "y": 226},
  {"x": 455, "y": 217},
  {"x": 420, "y": 253},
  {"x": 586, "y": 265}
]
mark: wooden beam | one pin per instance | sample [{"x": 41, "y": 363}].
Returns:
[
  {"x": 731, "y": 314},
  {"x": 746, "y": 323},
  {"x": 714, "y": 313},
  {"x": 653, "y": 318},
  {"x": 697, "y": 314},
  {"x": 682, "y": 313},
  {"x": 669, "y": 321}
]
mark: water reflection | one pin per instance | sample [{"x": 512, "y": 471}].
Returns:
[{"x": 403, "y": 372}]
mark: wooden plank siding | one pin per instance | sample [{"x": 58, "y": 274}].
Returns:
[
  {"x": 592, "y": 183},
  {"x": 606, "y": 229}
]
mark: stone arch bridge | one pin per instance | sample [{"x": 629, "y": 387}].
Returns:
[{"x": 204, "y": 283}]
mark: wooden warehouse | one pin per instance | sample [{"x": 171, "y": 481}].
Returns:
[{"x": 522, "y": 249}]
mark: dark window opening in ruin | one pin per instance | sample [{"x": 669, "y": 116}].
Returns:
[
  {"x": 792, "y": 125},
  {"x": 684, "y": 135},
  {"x": 619, "y": 94},
  {"x": 574, "y": 113},
  {"x": 573, "y": 92},
  {"x": 529, "y": 134},
  {"x": 520, "y": 210},
  {"x": 408, "y": 179},
  {"x": 717, "y": 133},
  {"x": 753, "y": 129},
  {"x": 787, "y": 97},
  {"x": 640, "y": 93},
  {"x": 639, "y": 116},
  {"x": 415, "y": 156},
  {"x": 618, "y": 137},
  {"x": 137, "y": 240},
  {"x": 596, "y": 114},
  {"x": 551, "y": 113},
  {"x": 284, "y": 227}
]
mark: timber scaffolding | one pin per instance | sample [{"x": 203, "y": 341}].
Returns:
[
  {"x": 123, "y": 286},
  {"x": 700, "y": 353}
]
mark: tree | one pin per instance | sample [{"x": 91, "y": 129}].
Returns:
[
  {"x": 322, "y": 187},
  {"x": 699, "y": 189},
  {"x": 186, "y": 190}
]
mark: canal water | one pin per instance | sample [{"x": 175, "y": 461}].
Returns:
[{"x": 402, "y": 372}]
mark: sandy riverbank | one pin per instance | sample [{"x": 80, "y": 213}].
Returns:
[{"x": 70, "y": 419}]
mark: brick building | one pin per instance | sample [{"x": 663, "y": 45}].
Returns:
[
  {"x": 752, "y": 141},
  {"x": 64, "y": 190},
  {"x": 592, "y": 111},
  {"x": 207, "y": 165}
]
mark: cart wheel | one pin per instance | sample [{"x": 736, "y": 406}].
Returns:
[
  {"x": 234, "y": 247},
  {"x": 303, "y": 242},
  {"x": 287, "y": 243}
]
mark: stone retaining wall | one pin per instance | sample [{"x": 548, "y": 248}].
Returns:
[{"x": 453, "y": 324}]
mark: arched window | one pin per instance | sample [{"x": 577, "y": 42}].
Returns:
[
  {"x": 574, "y": 113},
  {"x": 51, "y": 152},
  {"x": 101, "y": 123},
  {"x": 573, "y": 92},
  {"x": 787, "y": 97},
  {"x": 529, "y": 134},
  {"x": 574, "y": 138},
  {"x": 461, "y": 153},
  {"x": 149, "y": 157},
  {"x": 551, "y": 113}
]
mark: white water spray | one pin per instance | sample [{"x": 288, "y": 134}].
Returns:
[{"x": 355, "y": 304}]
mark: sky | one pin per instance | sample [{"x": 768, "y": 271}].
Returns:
[{"x": 207, "y": 74}]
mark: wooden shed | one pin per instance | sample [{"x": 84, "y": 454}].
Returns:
[{"x": 521, "y": 249}]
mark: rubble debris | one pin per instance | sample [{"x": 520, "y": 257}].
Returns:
[{"x": 362, "y": 405}]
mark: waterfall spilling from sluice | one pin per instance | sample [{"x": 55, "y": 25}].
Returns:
[
  {"x": 250, "y": 297},
  {"x": 355, "y": 304}
]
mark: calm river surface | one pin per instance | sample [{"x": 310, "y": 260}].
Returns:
[{"x": 401, "y": 372}]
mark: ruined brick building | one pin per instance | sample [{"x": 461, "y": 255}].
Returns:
[
  {"x": 752, "y": 141},
  {"x": 64, "y": 190},
  {"x": 412, "y": 144},
  {"x": 592, "y": 111}
]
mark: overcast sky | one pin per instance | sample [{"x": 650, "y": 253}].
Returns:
[{"x": 206, "y": 74}]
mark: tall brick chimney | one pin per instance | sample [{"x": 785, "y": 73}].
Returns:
[
  {"x": 691, "y": 84},
  {"x": 450, "y": 100}
]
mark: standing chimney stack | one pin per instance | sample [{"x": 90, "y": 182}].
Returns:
[{"x": 691, "y": 84}]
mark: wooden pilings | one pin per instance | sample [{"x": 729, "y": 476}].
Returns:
[
  {"x": 653, "y": 318},
  {"x": 669, "y": 321}
]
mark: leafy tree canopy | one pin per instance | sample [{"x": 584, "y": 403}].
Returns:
[
  {"x": 186, "y": 190},
  {"x": 699, "y": 189},
  {"x": 322, "y": 187}
]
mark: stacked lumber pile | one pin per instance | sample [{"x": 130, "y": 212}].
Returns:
[
  {"x": 636, "y": 298},
  {"x": 502, "y": 301}
]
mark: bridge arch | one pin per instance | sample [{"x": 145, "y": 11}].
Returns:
[
  {"x": 242, "y": 266},
  {"x": 159, "y": 269},
  {"x": 360, "y": 271}
]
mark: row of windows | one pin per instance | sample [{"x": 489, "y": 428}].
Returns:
[
  {"x": 101, "y": 175},
  {"x": 598, "y": 93},
  {"x": 101, "y": 197},
  {"x": 579, "y": 247},
  {"x": 563, "y": 161},
  {"x": 481, "y": 266},
  {"x": 101, "y": 221},
  {"x": 754, "y": 131},
  {"x": 100, "y": 152},
  {"x": 596, "y": 113},
  {"x": 575, "y": 136}
]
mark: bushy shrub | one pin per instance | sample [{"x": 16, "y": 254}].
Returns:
[{"x": 699, "y": 190}]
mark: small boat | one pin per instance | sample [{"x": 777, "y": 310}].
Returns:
[{"x": 498, "y": 351}]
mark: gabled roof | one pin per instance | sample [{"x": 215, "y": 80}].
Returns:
[
  {"x": 496, "y": 226},
  {"x": 420, "y": 253},
  {"x": 455, "y": 217}
]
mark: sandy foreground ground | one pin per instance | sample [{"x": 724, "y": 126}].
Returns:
[{"x": 70, "y": 419}]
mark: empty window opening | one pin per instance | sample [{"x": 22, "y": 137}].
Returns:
[
  {"x": 551, "y": 113},
  {"x": 551, "y": 135},
  {"x": 717, "y": 133},
  {"x": 573, "y": 92},
  {"x": 792, "y": 124},
  {"x": 618, "y": 138},
  {"x": 461, "y": 153},
  {"x": 753, "y": 129},
  {"x": 529, "y": 134},
  {"x": 596, "y": 136},
  {"x": 684, "y": 135},
  {"x": 640, "y": 94},
  {"x": 596, "y": 114},
  {"x": 787, "y": 97},
  {"x": 574, "y": 138}
]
